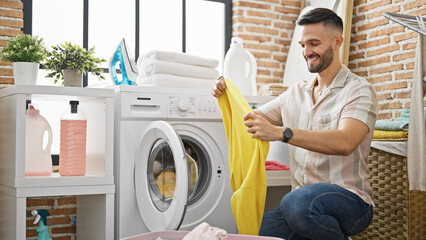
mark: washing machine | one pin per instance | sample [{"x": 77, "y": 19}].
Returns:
[{"x": 171, "y": 161}]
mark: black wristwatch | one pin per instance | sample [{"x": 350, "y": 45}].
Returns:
[{"x": 288, "y": 134}]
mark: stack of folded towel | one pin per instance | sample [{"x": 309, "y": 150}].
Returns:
[
  {"x": 396, "y": 130},
  {"x": 175, "y": 69}
]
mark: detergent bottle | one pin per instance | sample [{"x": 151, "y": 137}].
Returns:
[
  {"x": 38, "y": 161},
  {"x": 241, "y": 68},
  {"x": 72, "y": 155},
  {"x": 43, "y": 230}
]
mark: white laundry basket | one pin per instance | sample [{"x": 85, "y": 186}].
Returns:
[{"x": 177, "y": 235}]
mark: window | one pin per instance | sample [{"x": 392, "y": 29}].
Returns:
[{"x": 198, "y": 27}]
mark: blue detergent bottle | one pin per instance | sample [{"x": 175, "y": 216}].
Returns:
[{"x": 43, "y": 230}]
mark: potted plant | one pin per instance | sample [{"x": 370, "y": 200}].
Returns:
[
  {"x": 25, "y": 52},
  {"x": 69, "y": 61}
]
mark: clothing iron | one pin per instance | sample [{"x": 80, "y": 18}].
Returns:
[{"x": 127, "y": 65}]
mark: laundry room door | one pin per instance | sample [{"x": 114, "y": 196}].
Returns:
[{"x": 162, "y": 177}]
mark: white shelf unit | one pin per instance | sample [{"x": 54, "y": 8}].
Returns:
[{"x": 94, "y": 191}]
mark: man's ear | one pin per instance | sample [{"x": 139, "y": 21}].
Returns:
[{"x": 338, "y": 41}]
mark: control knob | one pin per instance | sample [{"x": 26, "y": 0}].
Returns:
[{"x": 183, "y": 105}]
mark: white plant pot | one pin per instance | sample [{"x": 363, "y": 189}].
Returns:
[
  {"x": 72, "y": 78},
  {"x": 25, "y": 73}
]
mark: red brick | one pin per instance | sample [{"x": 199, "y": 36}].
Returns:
[
  {"x": 285, "y": 25},
  {"x": 266, "y": 47},
  {"x": 408, "y": 46},
  {"x": 11, "y": 13},
  {"x": 405, "y": 36},
  {"x": 11, "y": 4},
  {"x": 56, "y": 230},
  {"x": 386, "y": 49},
  {"x": 358, "y": 37},
  {"x": 384, "y": 96},
  {"x": 5, "y": 64},
  {"x": 9, "y": 32},
  {"x": 6, "y": 72},
  {"x": 387, "y": 69},
  {"x": 391, "y": 86},
  {"x": 251, "y": 5},
  {"x": 356, "y": 19},
  {"x": 58, "y": 220},
  {"x": 380, "y": 13},
  {"x": 374, "y": 24},
  {"x": 374, "y": 5},
  {"x": 292, "y": 3},
  {"x": 387, "y": 31},
  {"x": 374, "y": 43},
  {"x": 11, "y": 23},
  {"x": 257, "y": 21},
  {"x": 267, "y": 64},
  {"x": 406, "y": 75},
  {"x": 409, "y": 65},
  {"x": 31, "y": 233},
  {"x": 6, "y": 80},
  {"x": 263, "y": 72},
  {"x": 360, "y": 73},
  {"x": 403, "y": 95},
  {"x": 67, "y": 200},
  {"x": 267, "y": 15},
  {"x": 281, "y": 58},
  {"x": 403, "y": 56},
  {"x": 356, "y": 56},
  {"x": 383, "y": 78},
  {"x": 414, "y": 4},
  {"x": 279, "y": 74},
  {"x": 262, "y": 30},
  {"x": 3, "y": 43},
  {"x": 248, "y": 37},
  {"x": 268, "y": 80},
  {"x": 32, "y": 202},
  {"x": 287, "y": 10},
  {"x": 62, "y": 211}
]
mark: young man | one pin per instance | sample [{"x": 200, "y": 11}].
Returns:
[{"x": 328, "y": 123}]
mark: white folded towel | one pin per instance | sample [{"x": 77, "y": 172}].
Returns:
[
  {"x": 168, "y": 80},
  {"x": 150, "y": 67},
  {"x": 179, "y": 57}
]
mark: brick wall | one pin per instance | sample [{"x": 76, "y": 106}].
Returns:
[
  {"x": 10, "y": 24},
  {"x": 267, "y": 28},
  {"x": 381, "y": 51},
  {"x": 62, "y": 211}
]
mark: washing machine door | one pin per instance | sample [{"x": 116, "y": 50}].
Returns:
[{"x": 161, "y": 177}]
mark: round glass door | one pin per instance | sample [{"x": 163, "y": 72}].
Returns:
[
  {"x": 162, "y": 178},
  {"x": 162, "y": 174}
]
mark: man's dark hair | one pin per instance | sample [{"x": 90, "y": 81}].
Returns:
[{"x": 325, "y": 15}]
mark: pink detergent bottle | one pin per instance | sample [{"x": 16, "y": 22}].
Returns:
[
  {"x": 72, "y": 155},
  {"x": 38, "y": 161}
]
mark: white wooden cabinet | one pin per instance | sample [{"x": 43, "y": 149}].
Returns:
[{"x": 94, "y": 191}]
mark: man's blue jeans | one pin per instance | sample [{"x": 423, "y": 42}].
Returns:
[{"x": 318, "y": 211}]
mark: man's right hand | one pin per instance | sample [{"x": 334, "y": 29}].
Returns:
[{"x": 219, "y": 87}]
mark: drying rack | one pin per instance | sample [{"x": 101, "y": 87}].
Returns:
[{"x": 414, "y": 23}]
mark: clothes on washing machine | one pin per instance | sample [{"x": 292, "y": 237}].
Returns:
[{"x": 247, "y": 158}]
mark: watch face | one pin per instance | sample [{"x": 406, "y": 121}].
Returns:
[{"x": 288, "y": 134}]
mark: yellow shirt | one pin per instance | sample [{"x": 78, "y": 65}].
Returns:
[{"x": 247, "y": 157}]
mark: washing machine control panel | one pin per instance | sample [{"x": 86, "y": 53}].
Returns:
[{"x": 193, "y": 106}]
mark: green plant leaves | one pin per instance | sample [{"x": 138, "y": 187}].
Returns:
[
  {"x": 72, "y": 56},
  {"x": 24, "y": 48}
]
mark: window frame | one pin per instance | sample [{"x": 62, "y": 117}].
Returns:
[{"x": 28, "y": 22}]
